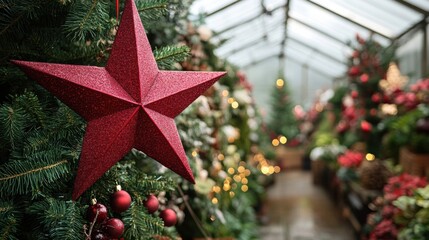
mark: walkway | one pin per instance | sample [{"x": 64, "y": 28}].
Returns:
[{"x": 298, "y": 210}]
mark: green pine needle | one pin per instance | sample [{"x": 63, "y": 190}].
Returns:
[
  {"x": 9, "y": 221},
  {"x": 24, "y": 177},
  {"x": 166, "y": 57},
  {"x": 150, "y": 10},
  {"x": 141, "y": 225},
  {"x": 60, "y": 219},
  {"x": 13, "y": 121}
]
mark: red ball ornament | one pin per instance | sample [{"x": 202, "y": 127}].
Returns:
[
  {"x": 169, "y": 217},
  {"x": 354, "y": 71},
  {"x": 376, "y": 98},
  {"x": 92, "y": 212},
  {"x": 364, "y": 78},
  {"x": 151, "y": 203},
  {"x": 114, "y": 227},
  {"x": 120, "y": 200},
  {"x": 354, "y": 94},
  {"x": 365, "y": 126}
]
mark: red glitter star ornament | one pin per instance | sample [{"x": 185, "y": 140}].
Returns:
[{"x": 129, "y": 103}]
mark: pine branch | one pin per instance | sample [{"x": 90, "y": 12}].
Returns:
[
  {"x": 13, "y": 121},
  {"x": 30, "y": 103},
  {"x": 24, "y": 177},
  {"x": 166, "y": 57},
  {"x": 141, "y": 225},
  {"x": 152, "y": 10},
  {"x": 87, "y": 20},
  {"x": 60, "y": 219},
  {"x": 9, "y": 221}
]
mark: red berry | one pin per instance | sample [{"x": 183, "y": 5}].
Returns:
[
  {"x": 151, "y": 203},
  {"x": 364, "y": 78},
  {"x": 169, "y": 217},
  {"x": 92, "y": 212},
  {"x": 114, "y": 227},
  {"x": 120, "y": 201}
]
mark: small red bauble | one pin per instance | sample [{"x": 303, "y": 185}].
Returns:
[
  {"x": 354, "y": 94},
  {"x": 376, "y": 98},
  {"x": 366, "y": 126},
  {"x": 151, "y": 203},
  {"x": 114, "y": 227},
  {"x": 120, "y": 201},
  {"x": 364, "y": 78},
  {"x": 92, "y": 212},
  {"x": 169, "y": 217},
  {"x": 354, "y": 71}
]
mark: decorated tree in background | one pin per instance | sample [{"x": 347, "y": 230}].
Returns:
[
  {"x": 282, "y": 121},
  {"x": 360, "y": 109}
]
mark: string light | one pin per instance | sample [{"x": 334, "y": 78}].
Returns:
[
  {"x": 214, "y": 200},
  {"x": 231, "y": 100},
  {"x": 283, "y": 140},
  {"x": 234, "y": 104},
  {"x": 220, "y": 156},
  {"x": 280, "y": 83},
  {"x": 225, "y": 93},
  {"x": 231, "y": 194},
  {"x": 231, "y": 170},
  {"x": 244, "y": 188},
  {"x": 370, "y": 157},
  {"x": 275, "y": 142},
  {"x": 244, "y": 181},
  {"x": 194, "y": 153}
]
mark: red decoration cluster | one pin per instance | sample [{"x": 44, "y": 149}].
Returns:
[
  {"x": 350, "y": 159},
  {"x": 105, "y": 227},
  {"x": 402, "y": 185}
]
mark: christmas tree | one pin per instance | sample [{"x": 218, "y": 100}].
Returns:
[
  {"x": 41, "y": 138},
  {"x": 282, "y": 120}
]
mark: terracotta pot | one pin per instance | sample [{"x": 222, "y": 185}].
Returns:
[{"x": 412, "y": 163}]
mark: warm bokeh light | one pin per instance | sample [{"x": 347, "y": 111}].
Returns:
[
  {"x": 231, "y": 170},
  {"x": 194, "y": 153},
  {"x": 283, "y": 140},
  {"x": 244, "y": 188},
  {"x": 231, "y": 100},
  {"x": 280, "y": 83},
  {"x": 220, "y": 156},
  {"x": 277, "y": 169},
  {"x": 275, "y": 142},
  {"x": 369, "y": 156},
  {"x": 234, "y": 104},
  {"x": 225, "y": 93},
  {"x": 214, "y": 200},
  {"x": 232, "y": 194}
]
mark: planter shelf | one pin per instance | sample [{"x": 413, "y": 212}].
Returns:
[{"x": 414, "y": 164}]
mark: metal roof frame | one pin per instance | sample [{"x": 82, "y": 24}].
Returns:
[{"x": 420, "y": 25}]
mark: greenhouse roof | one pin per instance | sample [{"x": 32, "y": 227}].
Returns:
[{"x": 313, "y": 33}]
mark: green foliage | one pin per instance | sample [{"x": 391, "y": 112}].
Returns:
[
  {"x": 151, "y": 10},
  {"x": 59, "y": 219},
  {"x": 87, "y": 20},
  {"x": 166, "y": 57},
  {"x": 10, "y": 217},
  {"x": 403, "y": 131},
  {"x": 138, "y": 222},
  {"x": 23, "y": 177}
]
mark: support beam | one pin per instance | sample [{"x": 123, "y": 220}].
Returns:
[
  {"x": 304, "y": 82},
  {"x": 245, "y": 21},
  {"x": 223, "y": 8},
  {"x": 425, "y": 51},
  {"x": 317, "y": 50},
  {"x": 319, "y": 31},
  {"x": 412, "y": 6},
  {"x": 318, "y": 71},
  {"x": 245, "y": 46},
  {"x": 415, "y": 27},
  {"x": 348, "y": 19}
]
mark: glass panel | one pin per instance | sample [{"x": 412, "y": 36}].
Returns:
[
  {"x": 420, "y": 3},
  {"x": 204, "y": 6}
]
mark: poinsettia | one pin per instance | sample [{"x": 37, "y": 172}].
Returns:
[
  {"x": 402, "y": 185},
  {"x": 350, "y": 159}
]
